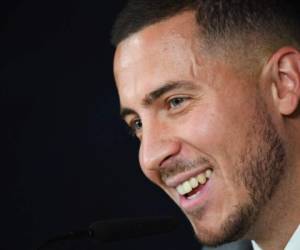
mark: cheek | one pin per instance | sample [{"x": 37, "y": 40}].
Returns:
[
  {"x": 204, "y": 129},
  {"x": 216, "y": 132}
]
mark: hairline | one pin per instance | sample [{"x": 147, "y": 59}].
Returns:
[
  {"x": 218, "y": 46},
  {"x": 157, "y": 21}
]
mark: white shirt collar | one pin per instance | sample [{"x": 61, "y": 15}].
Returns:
[{"x": 293, "y": 244}]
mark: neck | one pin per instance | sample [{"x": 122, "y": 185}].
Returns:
[{"x": 280, "y": 217}]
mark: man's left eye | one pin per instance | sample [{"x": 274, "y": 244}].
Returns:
[{"x": 175, "y": 102}]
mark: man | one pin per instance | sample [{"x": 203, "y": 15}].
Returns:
[{"x": 211, "y": 89}]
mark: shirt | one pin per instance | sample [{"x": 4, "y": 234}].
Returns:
[{"x": 293, "y": 244}]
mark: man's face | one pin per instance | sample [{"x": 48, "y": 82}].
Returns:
[{"x": 206, "y": 137}]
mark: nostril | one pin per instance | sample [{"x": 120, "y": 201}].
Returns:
[
  {"x": 156, "y": 154},
  {"x": 170, "y": 152},
  {"x": 165, "y": 160}
]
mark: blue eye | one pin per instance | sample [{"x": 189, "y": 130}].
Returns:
[
  {"x": 175, "y": 102},
  {"x": 135, "y": 125}
]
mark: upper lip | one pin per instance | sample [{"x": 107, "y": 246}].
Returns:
[{"x": 184, "y": 176}]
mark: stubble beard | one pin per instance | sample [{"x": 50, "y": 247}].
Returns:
[{"x": 259, "y": 169}]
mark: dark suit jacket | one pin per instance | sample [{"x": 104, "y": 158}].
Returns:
[{"x": 237, "y": 245}]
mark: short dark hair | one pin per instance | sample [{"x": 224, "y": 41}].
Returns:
[
  {"x": 276, "y": 22},
  {"x": 138, "y": 14}
]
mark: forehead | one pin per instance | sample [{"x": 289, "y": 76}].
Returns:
[{"x": 165, "y": 51}]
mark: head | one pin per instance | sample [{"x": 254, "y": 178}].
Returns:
[{"x": 211, "y": 90}]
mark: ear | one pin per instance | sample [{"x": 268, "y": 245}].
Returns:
[{"x": 284, "y": 67}]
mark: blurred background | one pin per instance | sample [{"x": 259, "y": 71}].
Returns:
[{"x": 67, "y": 159}]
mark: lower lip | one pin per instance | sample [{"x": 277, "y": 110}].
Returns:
[{"x": 201, "y": 196}]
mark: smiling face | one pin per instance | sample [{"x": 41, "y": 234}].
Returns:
[{"x": 206, "y": 137}]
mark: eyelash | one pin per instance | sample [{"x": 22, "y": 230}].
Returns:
[
  {"x": 133, "y": 128},
  {"x": 181, "y": 99}
]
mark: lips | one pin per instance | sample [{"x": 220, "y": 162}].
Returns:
[{"x": 192, "y": 188}]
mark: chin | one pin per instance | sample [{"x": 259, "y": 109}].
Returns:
[{"x": 214, "y": 232}]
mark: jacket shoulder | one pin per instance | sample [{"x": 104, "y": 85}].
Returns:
[{"x": 237, "y": 245}]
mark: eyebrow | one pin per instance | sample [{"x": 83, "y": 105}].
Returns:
[
  {"x": 157, "y": 93},
  {"x": 127, "y": 111}
]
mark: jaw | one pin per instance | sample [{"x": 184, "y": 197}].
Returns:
[
  {"x": 216, "y": 214},
  {"x": 213, "y": 230}
]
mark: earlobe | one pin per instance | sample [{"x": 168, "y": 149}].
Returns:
[{"x": 286, "y": 79}]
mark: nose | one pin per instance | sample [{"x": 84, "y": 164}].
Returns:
[{"x": 159, "y": 143}]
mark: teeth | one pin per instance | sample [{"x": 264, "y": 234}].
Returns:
[
  {"x": 201, "y": 178},
  {"x": 193, "y": 182},
  {"x": 192, "y": 197},
  {"x": 187, "y": 187},
  {"x": 208, "y": 173},
  {"x": 180, "y": 190}
]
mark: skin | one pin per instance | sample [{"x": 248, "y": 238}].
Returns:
[{"x": 192, "y": 111}]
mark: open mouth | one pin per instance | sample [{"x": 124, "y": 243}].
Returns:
[{"x": 190, "y": 188}]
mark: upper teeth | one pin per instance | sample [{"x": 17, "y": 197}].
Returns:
[{"x": 193, "y": 182}]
